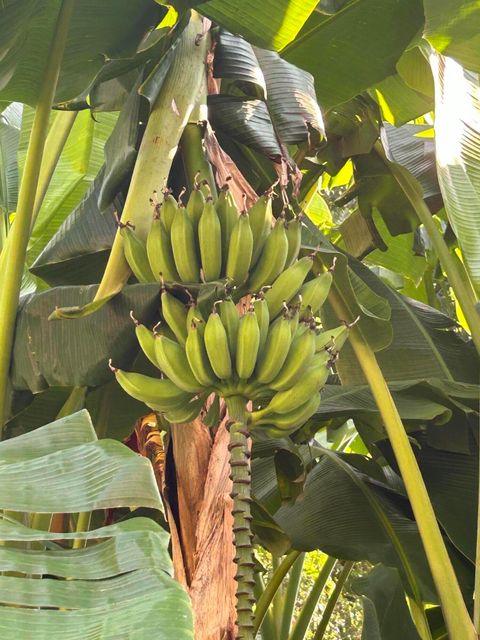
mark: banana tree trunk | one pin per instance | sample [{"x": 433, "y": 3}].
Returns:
[{"x": 197, "y": 491}]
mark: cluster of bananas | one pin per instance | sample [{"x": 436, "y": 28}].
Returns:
[
  {"x": 207, "y": 242},
  {"x": 271, "y": 352}
]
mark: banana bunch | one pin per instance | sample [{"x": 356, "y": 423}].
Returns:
[
  {"x": 208, "y": 242},
  {"x": 270, "y": 352}
]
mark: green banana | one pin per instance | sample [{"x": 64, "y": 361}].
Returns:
[
  {"x": 290, "y": 399},
  {"x": 158, "y": 391},
  {"x": 193, "y": 315},
  {"x": 275, "y": 351},
  {"x": 212, "y": 417},
  {"x": 210, "y": 242},
  {"x": 168, "y": 210},
  {"x": 197, "y": 356},
  {"x": 186, "y": 413},
  {"x": 288, "y": 422},
  {"x": 216, "y": 343},
  {"x": 195, "y": 204},
  {"x": 332, "y": 338},
  {"x": 298, "y": 360},
  {"x": 263, "y": 319},
  {"x": 248, "y": 342},
  {"x": 160, "y": 254},
  {"x": 230, "y": 319},
  {"x": 261, "y": 218},
  {"x": 175, "y": 314},
  {"x": 272, "y": 259},
  {"x": 136, "y": 255},
  {"x": 294, "y": 237},
  {"x": 146, "y": 340},
  {"x": 227, "y": 214},
  {"x": 174, "y": 364},
  {"x": 294, "y": 319},
  {"x": 314, "y": 293},
  {"x": 287, "y": 285},
  {"x": 240, "y": 250},
  {"x": 184, "y": 247}
]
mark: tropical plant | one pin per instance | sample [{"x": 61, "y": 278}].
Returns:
[{"x": 321, "y": 117}]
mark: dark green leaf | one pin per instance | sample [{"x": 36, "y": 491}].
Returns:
[
  {"x": 386, "y": 614},
  {"x": 98, "y": 31},
  {"x": 59, "y": 353}
]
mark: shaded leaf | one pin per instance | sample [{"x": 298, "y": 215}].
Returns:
[
  {"x": 10, "y": 124},
  {"x": 385, "y": 612},
  {"x": 399, "y": 102},
  {"x": 98, "y": 32},
  {"x": 59, "y": 353}
]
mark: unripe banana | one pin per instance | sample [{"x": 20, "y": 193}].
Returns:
[
  {"x": 160, "y": 254},
  {"x": 146, "y": 340},
  {"x": 174, "y": 364},
  {"x": 288, "y": 422},
  {"x": 298, "y": 360},
  {"x": 294, "y": 320},
  {"x": 290, "y": 399},
  {"x": 212, "y": 417},
  {"x": 195, "y": 204},
  {"x": 184, "y": 247},
  {"x": 168, "y": 210},
  {"x": 294, "y": 237},
  {"x": 247, "y": 345},
  {"x": 314, "y": 293},
  {"x": 272, "y": 259},
  {"x": 240, "y": 250},
  {"x": 193, "y": 315},
  {"x": 161, "y": 392},
  {"x": 227, "y": 214},
  {"x": 335, "y": 337},
  {"x": 287, "y": 285},
  {"x": 197, "y": 356},
  {"x": 216, "y": 343},
  {"x": 263, "y": 319},
  {"x": 230, "y": 320},
  {"x": 275, "y": 351},
  {"x": 136, "y": 255},
  {"x": 261, "y": 219},
  {"x": 210, "y": 242},
  {"x": 175, "y": 314},
  {"x": 186, "y": 413}
]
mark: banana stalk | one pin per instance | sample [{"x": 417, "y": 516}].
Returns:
[{"x": 242, "y": 532}]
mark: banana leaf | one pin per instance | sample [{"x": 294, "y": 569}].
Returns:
[
  {"x": 10, "y": 123},
  {"x": 118, "y": 583}
]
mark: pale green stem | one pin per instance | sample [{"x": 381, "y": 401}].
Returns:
[
  {"x": 461, "y": 288},
  {"x": 267, "y": 630},
  {"x": 308, "y": 609},
  {"x": 75, "y": 402},
  {"x": 453, "y": 606},
  {"x": 272, "y": 587},
  {"x": 332, "y": 601},
  {"x": 291, "y": 592},
  {"x": 83, "y": 523},
  {"x": 20, "y": 231}
]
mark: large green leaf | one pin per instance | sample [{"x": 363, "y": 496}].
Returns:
[
  {"x": 118, "y": 583},
  {"x": 271, "y": 24},
  {"x": 10, "y": 123},
  {"x": 60, "y": 353},
  {"x": 353, "y": 49},
  {"x": 347, "y": 511},
  {"x": 457, "y": 134},
  {"x": 452, "y": 481},
  {"x": 452, "y": 27},
  {"x": 385, "y": 611},
  {"x": 81, "y": 160},
  {"x": 98, "y": 32},
  {"x": 425, "y": 341},
  {"x": 78, "y": 252}
]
